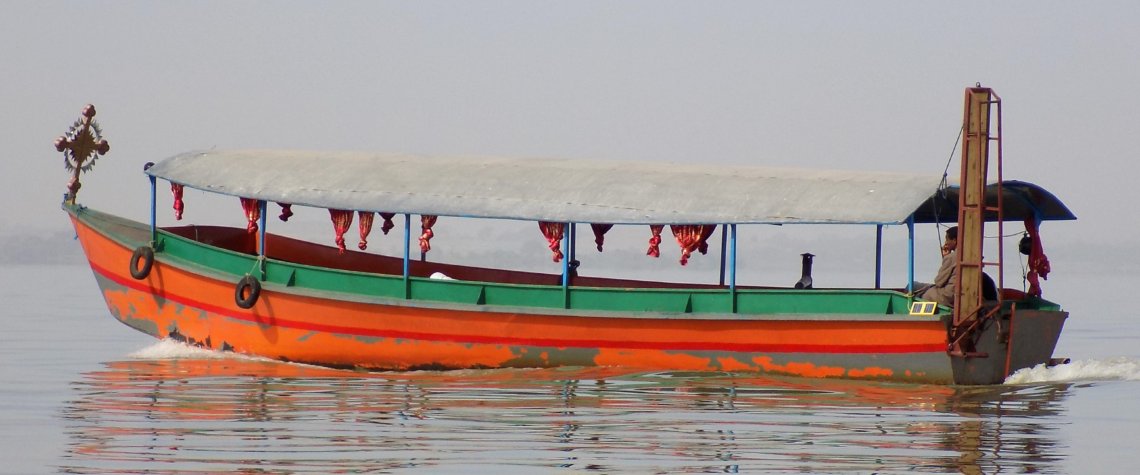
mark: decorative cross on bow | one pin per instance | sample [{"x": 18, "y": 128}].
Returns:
[{"x": 81, "y": 145}]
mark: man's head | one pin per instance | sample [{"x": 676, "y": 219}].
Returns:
[{"x": 951, "y": 240}]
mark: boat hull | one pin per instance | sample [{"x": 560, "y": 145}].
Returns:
[{"x": 194, "y": 302}]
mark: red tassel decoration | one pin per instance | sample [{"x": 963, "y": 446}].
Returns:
[
  {"x": 252, "y": 210},
  {"x": 179, "y": 206},
  {"x": 655, "y": 241},
  {"x": 286, "y": 211},
  {"x": 1038, "y": 262},
  {"x": 366, "y": 218},
  {"x": 690, "y": 237},
  {"x": 388, "y": 225},
  {"x": 426, "y": 222},
  {"x": 600, "y": 231},
  {"x": 553, "y": 234},
  {"x": 706, "y": 233},
  {"x": 341, "y": 219}
]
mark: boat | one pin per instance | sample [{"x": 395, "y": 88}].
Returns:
[{"x": 250, "y": 291}]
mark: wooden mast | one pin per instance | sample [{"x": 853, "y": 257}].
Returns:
[{"x": 972, "y": 208}]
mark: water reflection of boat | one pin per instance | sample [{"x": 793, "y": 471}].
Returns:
[
  {"x": 210, "y": 416},
  {"x": 251, "y": 292}
]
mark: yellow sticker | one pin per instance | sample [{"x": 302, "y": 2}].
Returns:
[{"x": 923, "y": 308}]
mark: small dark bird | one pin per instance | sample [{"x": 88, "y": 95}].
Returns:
[{"x": 805, "y": 276}]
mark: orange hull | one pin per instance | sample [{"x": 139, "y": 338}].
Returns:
[{"x": 185, "y": 302}]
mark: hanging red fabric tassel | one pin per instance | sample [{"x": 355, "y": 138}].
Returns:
[
  {"x": 179, "y": 206},
  {"x": 252, "y": 213},
  {"x": 655, "y": 241},
  {"x": 366, "y": 218},
  {"x": 553, "y": 234},
  {"x": 1038, "y": 263},
  {"x": 706, "y": 233},
  {"x": 600, "y": 231},
  {"x": 690, "y": 237},
  {"x": 388, "y": 225},
  {"x": 341, "y": 219},
  {"x": 426, "y": 222},
  {"x": 286, "y": 211}
]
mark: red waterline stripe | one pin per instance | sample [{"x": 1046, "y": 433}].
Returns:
[{"x": 545, "y": 342}]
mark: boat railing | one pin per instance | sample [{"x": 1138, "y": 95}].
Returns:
[
  {"x": 202, "y": 248},
  {"x": 367, "y": 280}
]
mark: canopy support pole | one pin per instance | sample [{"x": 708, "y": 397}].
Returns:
[
  {"x": 407, "y": 255},
  {"x": 423, "y": 254},
  {"x": 732, "y": 268},
  {"x": 566, "y": 265},
  {"x": 910, "y": 255},
  {"x": 573, "y": 242},
  {"x": 878, "y": 256},
  {"x": 723, "y": 249},
  {"x": 153, "y": 213},
  {"x": 262, "y": 210}
]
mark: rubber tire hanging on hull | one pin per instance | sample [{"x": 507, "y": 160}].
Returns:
[
  {"x": 147, "y": 255},
  {"x": 247, "y": 291}
]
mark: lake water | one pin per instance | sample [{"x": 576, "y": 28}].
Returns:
[{"x": 82, "y": 393}]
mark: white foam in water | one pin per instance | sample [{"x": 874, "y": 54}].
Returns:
[
  {"x": 1112, "y": 369},
  {"x": 171, "y": 350}
]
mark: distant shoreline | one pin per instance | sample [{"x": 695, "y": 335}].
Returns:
[{"x": 57, "y": 247}]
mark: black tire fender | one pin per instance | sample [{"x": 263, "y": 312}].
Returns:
[
  {"x": 146, "y": 254},
  {"x": 247, "y": 291}
]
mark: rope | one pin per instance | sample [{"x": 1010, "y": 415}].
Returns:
[
  {"x": 946, "y": 169},
  {"x": 944, "y": 185},
  {"x": 258, "y": 266},
  {"x": 1015, "y": 234}
]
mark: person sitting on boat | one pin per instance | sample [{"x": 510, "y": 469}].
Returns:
[{"x": 942, "y": 290}]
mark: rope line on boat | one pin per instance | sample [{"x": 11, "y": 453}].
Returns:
[
  {"x": 1014, "y": 234},
  {"x": 258, "y": 267},
  {"x": 944, "y": 185},
  {"x": 946, "y": 169}
]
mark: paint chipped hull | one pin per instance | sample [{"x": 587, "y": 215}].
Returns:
[{"x": 195, "y": 302}]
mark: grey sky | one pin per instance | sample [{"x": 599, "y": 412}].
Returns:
[{"x": 860, "y": 85}]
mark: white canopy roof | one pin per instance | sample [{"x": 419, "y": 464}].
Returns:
[{"x": 559, "y": 190}]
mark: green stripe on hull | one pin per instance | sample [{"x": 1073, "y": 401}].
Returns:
[{"x": 223, "y": 263}]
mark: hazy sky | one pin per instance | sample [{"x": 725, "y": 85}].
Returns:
[{"x": 859, "y": 85}]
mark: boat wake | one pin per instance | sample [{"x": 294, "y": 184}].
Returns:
[
  {"x": 172, "y": 350},
  {"x": 1112, "y": 369}
]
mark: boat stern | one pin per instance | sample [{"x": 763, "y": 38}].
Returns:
[{"x": 1015, "y": 340}]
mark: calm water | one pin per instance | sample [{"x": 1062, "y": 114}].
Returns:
[{"x": 82, "y": 393}]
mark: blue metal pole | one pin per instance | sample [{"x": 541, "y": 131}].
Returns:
[
  {"x": 261, "y": 234},
  {"x": 732, "y": 267},
  {"x": 566, "y": 266},
  {"x": 263, "y": 208},
  {"x": 878, "y": 256},
  {"x": 153, "y": 213},
  {"x": 910, "y": 255},
  {"x": 407, "y": 254}
]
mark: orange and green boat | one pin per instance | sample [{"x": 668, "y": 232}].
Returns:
[{"x": 250, "y": 291}]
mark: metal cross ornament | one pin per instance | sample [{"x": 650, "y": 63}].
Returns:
[{"x": 81, "y": 145}]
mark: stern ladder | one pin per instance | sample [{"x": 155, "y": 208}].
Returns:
[{"x": 969, "y": 302}]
